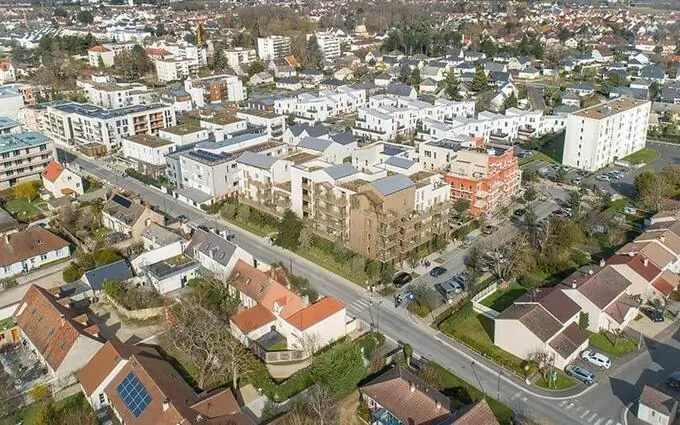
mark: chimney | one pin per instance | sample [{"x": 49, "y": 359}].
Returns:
[
  {"x": 166, "y": 404},
  {"x": 602, "y": 263},
  {"x": 662, "y": 238},
  {"x": 573, "y": 284},
  {"x": 645, "y": 262},
  {"x": 631, "y": 254},
  {"x": 412, "y": 387},
  {"x": 439, "y": 404},
  {"x": 6, "y": 235}
]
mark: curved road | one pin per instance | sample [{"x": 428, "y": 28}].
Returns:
[{"x": 395, "y": 323}]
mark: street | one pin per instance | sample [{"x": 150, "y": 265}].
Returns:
[{"x": 395, "y": 323}]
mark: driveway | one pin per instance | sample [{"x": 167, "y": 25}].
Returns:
[{"x": 111, "y": 324}]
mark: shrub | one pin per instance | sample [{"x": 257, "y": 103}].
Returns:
[
  {"x": 131, "y": 297},
  {"x": 40, "y": 392},
  {"x": 8, "y": 284},
  {"x": 419, "y": 309},
  {"x": 72, "y": 273}
]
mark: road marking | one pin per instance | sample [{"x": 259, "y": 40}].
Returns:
[
  {"x": 359, "y": 305},
  {"x": 592, "y": 417},
  {"x": 599, "y": 421},
  {"x": 583, "y": 415},
  {"x": 610, "y": 422},
  {"x": 570, "y": 405},
  {"x": 563, "y": 403},
  {"x": 516, "y": 396},
  {"x": 524, "y": 399}
]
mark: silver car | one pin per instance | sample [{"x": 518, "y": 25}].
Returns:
[{"x": 581, "y": 373}]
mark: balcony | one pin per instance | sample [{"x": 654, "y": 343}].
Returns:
[
  {"x": 499, "y": 136},
  {"x": 526, "y": 130}
]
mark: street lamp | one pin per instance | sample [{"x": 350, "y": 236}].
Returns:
[{"x": 478, "y": 380}]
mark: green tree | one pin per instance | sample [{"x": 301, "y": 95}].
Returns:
[
  {"x": 404, "y": 73},
  {"x": 584, "y": 320},
  {"x": 290, "y": 228},
  {"x": 654, "y": 90},
  {"x": 461, "y": 205},
  {"x": 314, "y": 54},
  {"x": 60, "y": 12},
  {"x": 451, "y": 85},
  {"x": 341, "y": 368},
  {"x": 305, "y": 240},
  {"x": 255, "y": 68},
  {"x": 85, "y": 17},
  {"x": 480, "y": 80},
  {"x": 511, "y": 101},
  {"x": 489, "y": 47},
  {"x": 408, "y": 353},
  {"x": 219, "y": 60},
  {"x": 574, "y": 201},
  {"x": 26, "y": 190},
  {"x": 530, "y": 194},
  {"x": 652, "y": 189},
  {"x": 72, "y": 273},
  {"x": 415, "y": 78}
]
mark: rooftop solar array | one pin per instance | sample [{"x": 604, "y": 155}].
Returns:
[
  {"x": 124, "y": 202},
  {"x": 133, "y": 394},
  {"x": 208, "y": 156}
]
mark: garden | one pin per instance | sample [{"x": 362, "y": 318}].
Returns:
[
  {"x": 504, "y": 297},
  {"x": 71, "y": 410},
  {"x": 614, "y": 345},
  {"x": 23, "y": 202}
]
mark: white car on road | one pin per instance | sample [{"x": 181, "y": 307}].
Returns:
[{"x": 598, "y": 359}]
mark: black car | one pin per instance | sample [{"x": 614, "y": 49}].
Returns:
[
  {"x": 437, "y": 271},
  {"x": 653, "y": 314},
  {"x": 489, "y": 229},
  {"x": 402, "y": 279},
  {"x": 673, "y": 380},
  {"x": 519, "y": 212},
  {"x": 182, "y": 218}
]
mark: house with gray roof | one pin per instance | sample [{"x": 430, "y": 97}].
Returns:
[
  {"x": 256, "y": 160},
  {"x": 215, "y": 253},
  {"x": 404, "y": 90},
  {"x": 392, "y": 184},
  {"x": 118, "y": 271},
  {"x": 654, "y": 73},
  {"x": 401, "y": 165},
  {"x": 295, "y": 133}
]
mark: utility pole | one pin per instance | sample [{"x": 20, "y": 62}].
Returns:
[
  {"x": 500, "y": 372},
  {"x": 478, "y": 380}
]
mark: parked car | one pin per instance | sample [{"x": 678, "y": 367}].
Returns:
[
  {"x": 469, "y": 240},
  {"x": 447, "y": 290},
  {"x": 519, "y": 212},
  {"x": 437, "y": 271},
  {"x": 401, "y": 279},
  {"x": 581, "y": 373},
  {"x": 576, "y": 181},
  {"x": 673, "y": 380},
  {"x": 182, "y": 218},
  {"x": 489, "y": 229},
  {"x": 603, "y": 177},
  {"x": 653, "y": 314},
  {"x": 598, "y": 359}
]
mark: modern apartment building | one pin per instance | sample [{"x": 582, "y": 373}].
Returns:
[
  {"x": 79, "y": 124},
  {"x": 601, "y": 134},
  {"x": 274, "y": 123},
  {"x": 23, "y": 156},
  {"x": 329, "y": 44},
  {"x": 310, "y": 108},
  {"x": 486, "y": 175},
  {"x": 105, "y": 54},
  {"x": 147, "y": 153},
  {"x": 273, "y": 47},
  {"x": 111, "y": 95},
  {"x": 182, "y": 135},
  {"x": 215, "y": 89},
  {"x": 11, "y": 103},
  {"x": 175, "y": 68},
  {"x": 26, "y": 91},
  {"x": 239, "y": 56}
]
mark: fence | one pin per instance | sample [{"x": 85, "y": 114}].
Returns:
[{"x": 482, "y": 309}]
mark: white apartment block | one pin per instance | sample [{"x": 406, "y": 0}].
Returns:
[
  {"x": 146, "y": 149},
  {"x": 82, "y": 124},
  {"x": 11, "y": 103},
  {"x": 173, "y": 69},
  {"x": 184, "y": 50},
  {"x": 310, "y": 108},
  {"x": 275, "y": 124},
  {"x": 112, "y": 95},
  {"x": 601, "y": 134},
  {"x": 23, "y": 156},
  {"x": 215, "y": 89},
  {"x": 7, "y": 72},
  {"x": 224, "y": 126},
  {"x": 329, "y": 44},
  {"x": 105, "y": 54},
  {"x": 181, "y": 135},
  {"x": 273, "y": 47},
  {"x": 239, "y": 56}
]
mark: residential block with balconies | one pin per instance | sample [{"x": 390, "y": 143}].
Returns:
[{"x": 23, "y": 157}]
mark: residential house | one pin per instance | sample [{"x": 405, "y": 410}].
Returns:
[
  {"x": 403, "y": 90},
  {"x": 62, "y": 340},
  {"x": 140, "y": 387},
  {"x": 529, "y": 73},
  {"x": 581, "y": 89},
  {"x": 7, "y": 72},
  {"x": 26, "y": 250},
  {"x": 654, "y": 73},
  {"x": 289, "y": 83},
  {"x": 383, "y": 80},
  {"x": 656, "y": 407},
  {"x": 117, "y": 271},
  {"x": 398, "y": 397},
  {"x": 261, "y": 78},
  {"x": 171, "y": 274},
  {"x": 542, "y": 321},
  {"x": 127, "y": 216},
  {"x": 216, "y": 253},
  {"x": 428, "y": 86},
  {"x": 295, "y": 133},
  {"x": 59, "y": 180}
]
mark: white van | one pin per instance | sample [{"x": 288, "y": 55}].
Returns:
[{"x": 598, "y": 359}]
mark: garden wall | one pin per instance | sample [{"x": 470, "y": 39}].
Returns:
[{"x": 142, "y": 314}]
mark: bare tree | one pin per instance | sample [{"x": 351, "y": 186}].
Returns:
[
  {"x": 79, "y": 417},
  {"x": 308, "y": 343},
  {"x": 505, "y": 253},
  {"x": 320, "y": 402},
  {"x": 209, "y": 342}
]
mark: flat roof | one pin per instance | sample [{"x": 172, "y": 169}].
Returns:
[
  {"x": 607, "y": 109},
  {"x": 21, "y": 140},
  {"x": 181, "y": 130},
  {"x": 259, "y": 113},
  {"x": 149, "y": 140},
  {"x": 222, "y": 120},
  {"x": 300, "y": 157},
  {"x": 94, "y": 111}
]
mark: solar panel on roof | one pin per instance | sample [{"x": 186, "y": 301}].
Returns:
[
  {"x": 133, "y": 394},
  {"x": 121, "y": 201}
]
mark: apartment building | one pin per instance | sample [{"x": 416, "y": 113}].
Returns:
[
  {"x": 11, "y": 102},
  {"x": 310, "y": 108},
  {"x": 25, "y": 90},
  {"x": 175, "y": 68},
  {"x": 487, "y": 175},
  {"x": 182, "y": 49},
  {"x": 105, "y": 54},
  {"x": 215, "y": 89},
  {"x": 601, "y": 134},
  {"x": 238, "y": 56},
  {"x": 79, "y": 124},
  {"x": 111, "y": 95},
  {"x": 273, "y": 47},
  {"x": 7, "y": 72},
  {"x": 392, "y": 216},
  {"x": 147, "y": 152},
  {"x": 223, "y": 126},
  {"x": 23, "y": 156},
  {"x": 275, "y": 124},
  {"x": 182, "y": 135},
  {"x": 329, "y": 44},
  {"x": 8, "y": 126}
]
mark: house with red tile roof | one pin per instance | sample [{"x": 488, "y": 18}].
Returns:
[
  {"x": 142, "y": 388},
  {"x": 544, "y": 320},
  {"x": 62, "y": 340},
  {"x": 61, "y": 181},
  {"x": 7, "y": 72},
  {"x": 273, "y": 313}
]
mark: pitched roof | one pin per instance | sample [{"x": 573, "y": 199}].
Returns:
[
  {"x": 667, "y": 282},
  {"x": 98, "y": 49},
  {"x": 252, "y": 318},
  {"x": 603, "y": 287},
  {"x": 51, "y": 325},
  {"x": 621, "y": 306},
  {"x": 399, "y": 162},
  {"x": 344, "y": 138},
  {"x": 315, "y": 313},
  {"x": 257, "y": 160},
  {"x": 398, "y": 89},
  {"x": 535, "y": 318},
  {"x": 339, "y": 171},
  {"x": 652, "y": 250},
  {"x": 569, "y": 340},
  {"x": 315, "y": 144},
  {"x": 117, "y": 271},
  {"x": 554, "y": 301},
  {"x": 123, "y": 209},
  {"x": 392, "y": 184},
  {"x": 53, "y": 171},
  {"x": 657, "y": 400},
  {"x": 103, "y": 363},
  {"x": 407, "y": 397},
  {"x": 476, "y": 414},
  {"x": 638, "y": 263},
  {"x": 29, "y": 243},
  {"x": 211, "y": 245}
]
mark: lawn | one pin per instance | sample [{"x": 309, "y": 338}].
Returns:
[
  {"x": 477, "y": 331},
  {"x": 562, "y": 382},
  {"x": 538, "y": 156},
  {"x": 643, "y": 156},
  {"x": 500, "y": 300},
  {"x": 605, "y": 342},
  {"x": 90, "y": 185},
  {"x": 22, "y": 208},
  {"x": 259, "y": 229},
  {"x": 27, "y": 414}
]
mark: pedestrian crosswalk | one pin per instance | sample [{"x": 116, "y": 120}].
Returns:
[
  {"x": 585, "y": 415},
  {"x": 359, "y": 305}
]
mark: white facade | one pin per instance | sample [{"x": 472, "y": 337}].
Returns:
[
  {"x": 239, "y": 56},
  {"x": 28, "y": 264},
  {"x": 309, "y": 108},
  {"x": 11, "y": 102},
  {"x": 107, "y": 53},
  {"x": 67, "y": 180},
  {"x": 182, "y": 135},
  {"x": 215, "y": 89},
  {"x": 153, "y": 152},
  {"x": 111, "y": 96},
  {"x": 329, "y": 44},
  {"x": 274, "y": 123},
  {"x": 599, "y": 135},
  {"x": 173, "y": 69},
  {"x": 273, "y": 47},
  {"x": 7, "y": 72},
  {"x": 322, "y": 333}
]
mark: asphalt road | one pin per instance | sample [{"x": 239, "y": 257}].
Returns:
[{"x": 378, "y": 311}]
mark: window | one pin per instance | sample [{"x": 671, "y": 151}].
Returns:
[{"x": 102, "y": 398}]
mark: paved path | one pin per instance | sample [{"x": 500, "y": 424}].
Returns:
[{"x": 47, "y": 277}]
